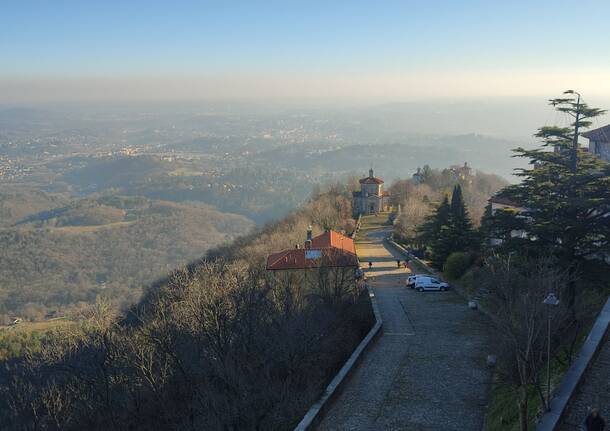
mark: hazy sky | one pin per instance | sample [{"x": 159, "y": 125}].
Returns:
[{"x": 55, "y": 50}]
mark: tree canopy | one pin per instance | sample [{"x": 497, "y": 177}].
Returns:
[
  {"x": 449, "y": 229},
  {"x": 565, "y": 193}
]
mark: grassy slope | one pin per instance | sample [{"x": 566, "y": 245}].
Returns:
[{"x": 16, "y": 339}]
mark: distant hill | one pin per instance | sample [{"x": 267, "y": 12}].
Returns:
[
  {"x": 108, "y": 246},
  {"x": 257, "y": 191},
  {"x": 18, "y": 203},
  {"x": 396, "y": 160},
  {"x": 104, "y": 173}
]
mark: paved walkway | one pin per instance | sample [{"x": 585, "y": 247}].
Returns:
[{"x": 427, "y": 371}]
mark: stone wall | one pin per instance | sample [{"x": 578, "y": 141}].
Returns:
[{"x": 593, "y": 391}]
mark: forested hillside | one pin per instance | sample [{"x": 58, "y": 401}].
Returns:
[
  {"x": 19, "y": 202},
  {"x": 59, "y": 259},
  {"x": 221, "y": 345}
]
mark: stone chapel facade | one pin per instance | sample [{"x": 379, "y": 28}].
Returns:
[{"x": 371, "y": 198}]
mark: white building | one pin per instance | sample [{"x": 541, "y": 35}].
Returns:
[
  {"x": 371, "y": 198},
  {"x": 599, "y": 142}
]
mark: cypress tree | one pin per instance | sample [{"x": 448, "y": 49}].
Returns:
[
  {"x": 435, "y": 229},
  {"x": 461, "y": 230},
  {"x": 449, "y": 229},
  {"x": 431, "y": 228},
  {"x": 458, "y": 209}
]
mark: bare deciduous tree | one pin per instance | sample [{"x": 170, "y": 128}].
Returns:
[{"x": 516, "y": 291}]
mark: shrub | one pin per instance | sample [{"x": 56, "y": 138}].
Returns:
[{"x": 457, "y": 264}]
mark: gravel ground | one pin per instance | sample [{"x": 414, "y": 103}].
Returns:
[{"x": 427, "y": 371}]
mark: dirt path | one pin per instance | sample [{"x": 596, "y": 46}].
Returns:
[{"x": 427, "y": 371}]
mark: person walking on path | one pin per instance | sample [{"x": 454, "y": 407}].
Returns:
[
  {"x": 594, "y": 421},
  {"x": 370, "y": 264}
]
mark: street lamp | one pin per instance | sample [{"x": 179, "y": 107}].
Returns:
[
  {"x": 550, "y": 301},
  {"x": 577, "y": 119}
]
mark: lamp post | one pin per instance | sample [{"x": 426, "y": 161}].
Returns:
[
  {"x": 574, "y": 151},
  {"x": 550, "y": 301}
]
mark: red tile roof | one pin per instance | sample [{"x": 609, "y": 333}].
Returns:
[
  {"x": 310, "y": 258},
  {"x": 329, "y": 249},
  {"x": 332, "y": 239}
]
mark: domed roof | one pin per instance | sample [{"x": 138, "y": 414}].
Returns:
[{"x": 371, "y": 179}]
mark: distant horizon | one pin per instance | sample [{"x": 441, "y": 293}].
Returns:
[
  {"x": 516, "y": 118},
  {"x": 191, "y": 50},
  {"x": 361, "y": 90}
]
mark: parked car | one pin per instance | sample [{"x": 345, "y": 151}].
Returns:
[
  {"x": 430, "y": 283},
  {"x": 410, "y": 281}
]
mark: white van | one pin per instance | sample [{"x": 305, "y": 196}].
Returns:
[
  {"x": 430, "y": 283},
  {"x": 410, "y": 281}
]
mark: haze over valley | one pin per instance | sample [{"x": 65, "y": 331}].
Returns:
[
  {"x": 88, "y": 186},
  {"x": 300, "y": 216}
]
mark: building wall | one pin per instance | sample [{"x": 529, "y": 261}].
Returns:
[
  {"x": 600, "y": 149},
  {"x": 371, "y": 189},
  {"x": 311, "y": 280},
  {"x": 370, "y": 204},
  {"x": 370, "y": 200}
]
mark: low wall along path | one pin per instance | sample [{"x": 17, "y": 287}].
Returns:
[{"x": 427, "y": 371}]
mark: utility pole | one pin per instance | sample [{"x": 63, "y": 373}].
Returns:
[{"x": 550, "y": 301}]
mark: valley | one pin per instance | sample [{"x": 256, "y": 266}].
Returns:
[{"x": 99, "y": 202}]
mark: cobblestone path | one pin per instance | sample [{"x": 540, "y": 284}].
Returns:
[{"x": 427, "y": 371}]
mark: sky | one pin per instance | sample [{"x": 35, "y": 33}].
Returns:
[{"x": 71, "y": 50}]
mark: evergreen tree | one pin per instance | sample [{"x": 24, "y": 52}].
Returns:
[
  {"x": 500, "y": 226},
  {"x": 457, "y": 234},
  {"x": 442, "y": 247},
  {"x": 431, "y": 228},
  {"x": 463, "y": 234},
  {"x": 486, "y": 228},
  {"x": 458, "y": 209},
  {"x": 566, "y": 193},
  {"x": 449, "y": 229}
]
